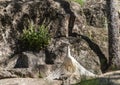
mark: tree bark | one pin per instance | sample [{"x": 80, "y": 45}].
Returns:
[{"x": 113, "y": 34}]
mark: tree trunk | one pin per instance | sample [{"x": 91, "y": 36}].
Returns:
[{"x": 113, "y": 34}]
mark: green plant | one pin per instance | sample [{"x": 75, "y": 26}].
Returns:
[
  {"x": 95, "y": 81},
  {"x": 81, "y": 2},
  {"x": 35, "y": 37},
  {"x": 40, "y": 76},
  {"x": 89, "y": 82}
]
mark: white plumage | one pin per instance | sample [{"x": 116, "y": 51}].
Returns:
[
  {"x": 79, "y": 68},
  {"x": 70, "y": 66}
]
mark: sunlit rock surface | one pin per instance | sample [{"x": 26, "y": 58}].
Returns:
[{"x": 62, "y": 19}]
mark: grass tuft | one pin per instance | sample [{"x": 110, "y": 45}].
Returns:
[{"x": 35, "y": 37}]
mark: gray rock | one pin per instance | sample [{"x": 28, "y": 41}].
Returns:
[
  {"x": 38, "y": 72},
  {"x": 24, "y": 60},
  {"x": 28, "y": 81},
  {"x": 95, "y": 13},
  {"x": 16, "y": 73},
  {"x": 62, "y": 19},
  {"x": 6, "y": 74}
]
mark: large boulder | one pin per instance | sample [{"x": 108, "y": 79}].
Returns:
[
  {"x": 95, "y": 13},
  {"x": 63, "y": 18},
  {"x": 28, "y": 81}
]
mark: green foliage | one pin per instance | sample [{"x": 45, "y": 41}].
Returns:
[
  {"x": 81, "y": 2},
  {"x": 112, "y": 68},
  {"x": 91, "y": 82},
  {"x": 35, "y": 37},
  {"x": 40, "y": 76}
]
